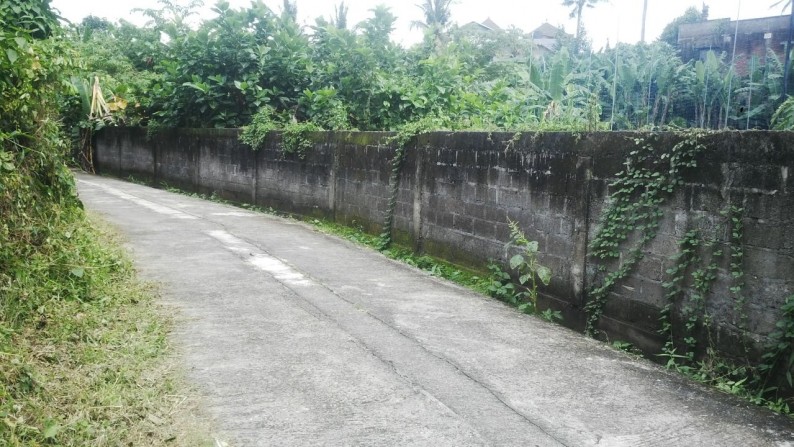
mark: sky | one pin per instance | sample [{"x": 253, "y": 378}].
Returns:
[{"x": 611, "y": 21}]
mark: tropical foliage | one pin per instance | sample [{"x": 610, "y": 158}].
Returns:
[{"x": 223, "y": 71}]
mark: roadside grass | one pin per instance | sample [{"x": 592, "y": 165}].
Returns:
[
  {"x": 91, "y": 368},
  {"x": 477, "y": 281}
]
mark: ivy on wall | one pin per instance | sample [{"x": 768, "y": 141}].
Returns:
[
  {"x": 401, "y": 140},
  {"x": 631, "y": 221},
  {"x": 649, "y": 179}
]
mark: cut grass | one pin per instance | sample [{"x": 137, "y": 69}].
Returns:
[{"x": 96, "y": 372}]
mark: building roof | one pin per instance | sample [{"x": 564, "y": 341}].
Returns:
[
  {"x": 490, "y": 24},
  {"x": 487, "y": 25},
  {"x": 546, "y": 30}
]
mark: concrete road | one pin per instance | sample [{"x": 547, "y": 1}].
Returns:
[{"x": 297, "y": 338}]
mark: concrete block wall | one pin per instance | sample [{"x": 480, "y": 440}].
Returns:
[
  {"x": 361, "y": 190},
  {"x": 458, "y": 191}
]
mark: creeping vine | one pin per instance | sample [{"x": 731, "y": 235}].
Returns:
[
  {"x": 779, "y": 354},
  {"x": 394, "y": 180},
  {"x": 634, "y": 212},
  {"x": 400, "y": 141},
  {"x": 693, "y": 304},
  {"x": 735, "y": 219},
  {"x": 296, "y": 139}
]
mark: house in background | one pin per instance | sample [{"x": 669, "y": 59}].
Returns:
[
  {"x": 487, "y": 25},
  {"x": 755, "y": 37},
  {"x": 546, "y": 38}
]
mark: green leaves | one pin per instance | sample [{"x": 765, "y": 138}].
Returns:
[
  {"x": 634, "y": 211},
  {"x": 12, "y": 55},
  {"x": 528, "y": 268},
  {"x": 783, "y": 119},
  {"x": 203, "y": 88},
  {"x": 516, "y": 261},
  {"x": 544, "y": 274},
  {"x": 51, "y": 430},
  {"x": 779, "y": 355},
  {"x": 6, "y": 160}
]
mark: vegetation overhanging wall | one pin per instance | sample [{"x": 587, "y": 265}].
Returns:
[{"x": 457, "y": 192}]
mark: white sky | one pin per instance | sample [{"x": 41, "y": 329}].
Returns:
[{"x": 614, "y": 20}]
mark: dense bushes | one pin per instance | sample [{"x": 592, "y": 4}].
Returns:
[{"x": 224, "y": 71}]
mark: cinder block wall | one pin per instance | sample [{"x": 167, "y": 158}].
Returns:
[{"x": 459, "y": 190}]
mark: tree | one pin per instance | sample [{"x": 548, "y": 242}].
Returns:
[
  {"x": 289, "y": 10},
  {"x": 691, "y": 15},
  {"x": 95, "y": 23},
  {"x": 35, "y": 17},
  {"x": 577, "y": 8},
  {"x": 379, "y": 27},
  {"x": 171, "y": 17},
  {"x": 340, "y": 16},
  {"x": 437, "y": 14}
]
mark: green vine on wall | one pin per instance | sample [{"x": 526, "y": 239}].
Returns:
[
  {"x": 394, "y": 180},
  {"x": 634, "y": 212},
  {"x": 694, "y": 315},
  {"x": 691, "y": 279},
  {"x": 735, "y": 219},
  {"x": 400, "y": 141},
  {"x": 296, "y": 139},
  {"x": 780, "y": 351}
]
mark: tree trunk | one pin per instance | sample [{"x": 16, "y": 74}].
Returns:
[{"x": 644, "y": 18}]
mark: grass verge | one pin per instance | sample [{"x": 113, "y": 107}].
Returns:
[{"x": 94, "y": 369}]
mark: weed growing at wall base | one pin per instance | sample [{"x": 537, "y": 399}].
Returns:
[{"x": 528, "y": 268}]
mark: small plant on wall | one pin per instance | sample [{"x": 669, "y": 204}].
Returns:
[
  {"x": 531, "y": 273},
  {"x": 295, "y": 135},
  {"x": 528, "y": 268}
]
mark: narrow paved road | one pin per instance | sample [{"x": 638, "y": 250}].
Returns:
[{"x": 297, "y": 338}]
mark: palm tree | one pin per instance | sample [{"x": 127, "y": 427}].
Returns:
[
  {"x": 577, "y": 7},
  {"x": 437, "y": 14}
]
